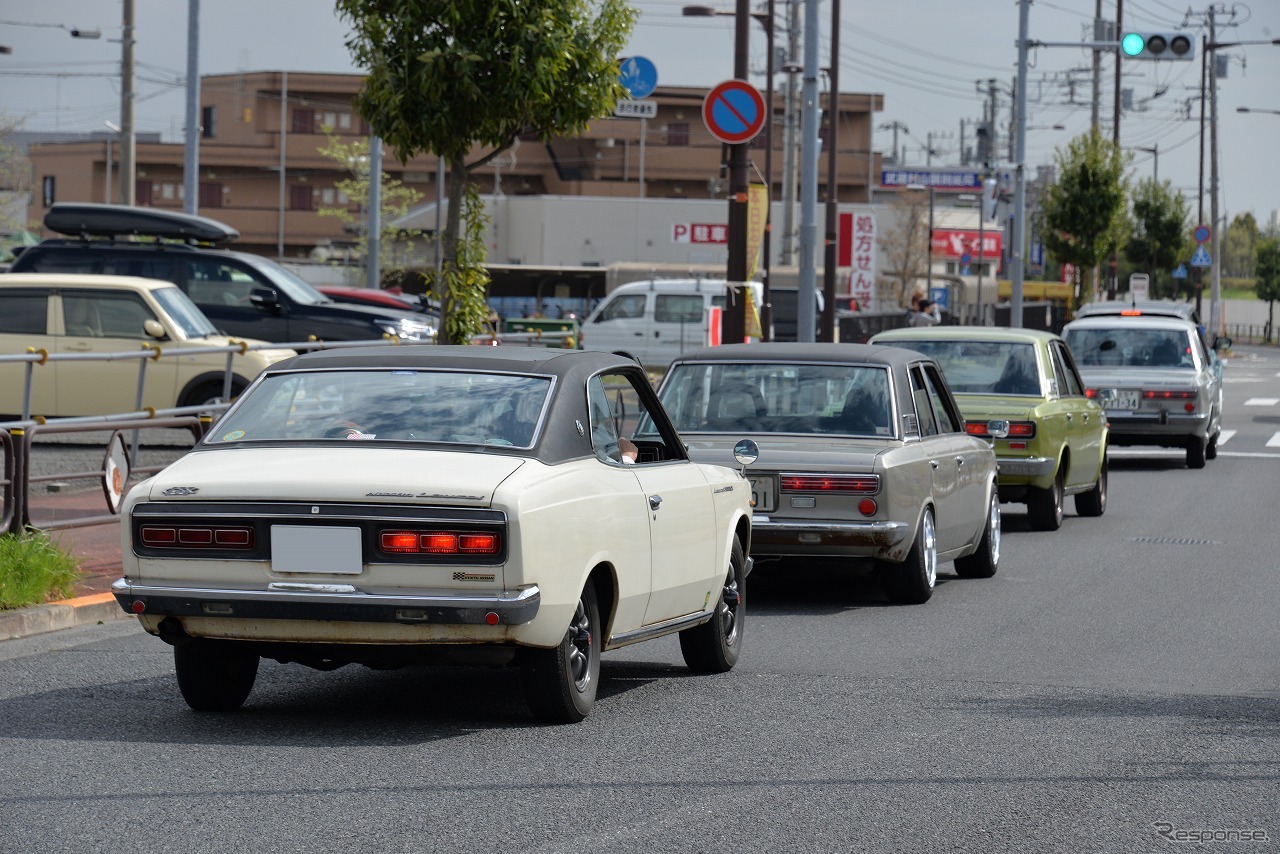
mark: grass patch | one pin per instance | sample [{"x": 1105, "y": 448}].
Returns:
[{"x": 34, "y": 570}]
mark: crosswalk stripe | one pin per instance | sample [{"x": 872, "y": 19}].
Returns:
[
  {"x": 1225, "y": 436},
  {"x": 1262, "y": 401},
  {"x": 1274, "y": 441}
]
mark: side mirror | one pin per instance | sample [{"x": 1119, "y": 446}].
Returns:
[
  {"x": 152, "y": 327},
  {"x": 746, "y": 452},
  {"x": 265, "y": 298}
]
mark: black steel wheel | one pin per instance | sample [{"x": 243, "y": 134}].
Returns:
[
  {"x": 714, "y": 646},
  {"x": 560, "y": 683},
  {"x": 1197, "y": 452}
]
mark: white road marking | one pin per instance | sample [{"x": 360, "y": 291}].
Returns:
[
  {"x": 1262, "y": 401},
  {"x": 1274, "y": 441},
  {"x": 1225, "y": 436}
]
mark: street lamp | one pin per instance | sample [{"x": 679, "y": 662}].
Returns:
[
  {"x": 733, "y": 323},
  {"x": 1254, "y": 110},
  {"x": 1154, "y": 151}
]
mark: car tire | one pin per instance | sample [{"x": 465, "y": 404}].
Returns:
[
  {"x": 912, "y": 581},
  {"x": 560, "y": 683},
  {"x": 213, "y": 678},
  {"x": 1211, "y": 450},
  {"x": 1044, "y": 506},
  {"x": 1197, "y": 451},
  {"x": 208, "y": 394},
  {"x": 1094, "y": 502},
  {"x": 986, "y": 560},
  {"x": 714, "y": 646}
]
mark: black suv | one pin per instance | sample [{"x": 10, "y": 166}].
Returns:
[{"x": 244, "y": 295}]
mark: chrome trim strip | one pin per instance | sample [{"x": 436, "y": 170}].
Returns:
[
  {"x": 436, "y": 606},
  {"x": 659, "y": 629}
]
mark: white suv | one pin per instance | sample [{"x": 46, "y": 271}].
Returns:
[{"x": 112, "y": 314}]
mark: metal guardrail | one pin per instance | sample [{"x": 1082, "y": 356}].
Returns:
[
  {"x": 1249, "y": 333},
  {"x": 18, "y": 442}
]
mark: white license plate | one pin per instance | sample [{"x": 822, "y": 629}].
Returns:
[
  {"x": 763, "y": 496},
  {"x": 316, "y": 549},
  {"x": 1121, "y": 398}
]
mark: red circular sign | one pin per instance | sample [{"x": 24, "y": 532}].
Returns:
[
  {"x": 1202, "y": 234},
  {"x": 734, "y": 111}
]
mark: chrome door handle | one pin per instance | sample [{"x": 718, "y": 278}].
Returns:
[
  {"x": 933, "y": 463},
  {"x": 1071, "y": 417},
  {"x": 959, "y": 461},
  {"x": 655, "y": 501}
]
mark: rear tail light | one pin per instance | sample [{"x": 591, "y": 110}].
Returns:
[
  {"x": 1159, "y": 394},
  {"x": 196, "y": 536},
  {"x": 1001, "y": 429},
  {"x": 441, "y": 542},
  {"x": 861, "y": 484}
]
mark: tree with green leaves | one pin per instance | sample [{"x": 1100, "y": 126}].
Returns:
[
  {"x": 1084, "y": 212},
  {"x": 1157, "y": 232},
  {"x": 394, "y": 243},
  {"x": 467, "y": 78},
  {"x": 1240, "y": 245},
  {"x": 1267, "y": 269}
]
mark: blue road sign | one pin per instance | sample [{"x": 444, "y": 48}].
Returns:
[
  {"x": 940, "y": 296},
  {"x": 733, "y": 111},
  {"x": 1202, "y": 234},
  {"x": 1201, "y": 258},
  {"x": 639, "y": 76},
  {"x": 965, "y": 259},
  {"x": 1180, "y": 272}
]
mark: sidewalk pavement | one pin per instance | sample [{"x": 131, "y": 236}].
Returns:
[{"x": 97, "y": 547}]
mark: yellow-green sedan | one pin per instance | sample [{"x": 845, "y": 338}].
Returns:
[{"x": 1020, "y": 389}]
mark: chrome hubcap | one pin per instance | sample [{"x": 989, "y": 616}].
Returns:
[{"x": 930, "y": 544}]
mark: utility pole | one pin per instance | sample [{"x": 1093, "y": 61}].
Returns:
[
  {"x": 806, "y": 285},
  {"x": 373, "y": 222},
  {"x": 790, "y": 134},
  {"x": 1020, "y": 168},
  {"x": 1215, "y": 280},
  {"x": 829, "y": 259},
  {"x": 191, "y": 152},
  {"x": 733, "y": 321},
  {"x": 128, "y": 135},
  {"x": 1097, "y": 66},
  {"x": 1115, "y": 139}
]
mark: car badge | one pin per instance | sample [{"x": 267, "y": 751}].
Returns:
[{"x": 180, "y": 490}]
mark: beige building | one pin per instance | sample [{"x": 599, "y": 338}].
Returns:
[{"x": 261, "y": 172}]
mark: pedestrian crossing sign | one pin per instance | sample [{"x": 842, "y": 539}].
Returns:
[{"x": 1201, "y": 258}]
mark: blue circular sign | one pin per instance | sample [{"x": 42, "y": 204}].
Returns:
[
  {"x": 1202, "y": 234},
  {"x": 734, "y": 111},
  {"x": 639, "y": 76}
]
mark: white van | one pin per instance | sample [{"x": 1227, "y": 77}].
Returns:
[{"x": 655, "y": 321}]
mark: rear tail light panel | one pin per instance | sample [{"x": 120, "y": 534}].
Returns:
[
  {"x": 387, "y": 534},
  {"x": 838, "y": 484}
]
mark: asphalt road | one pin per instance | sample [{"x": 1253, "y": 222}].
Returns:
[{"x": 1114, "y": 688}]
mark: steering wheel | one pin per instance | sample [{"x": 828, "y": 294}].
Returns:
[{"x": 341, "y": 429}]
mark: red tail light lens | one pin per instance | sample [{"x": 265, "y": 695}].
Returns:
[
  {"x": 1020, "y": 429},
  {"x": 441, "y": 542},
  {"x": 196, "y": 536},
  {"x": 862, "y": 484},
  {"x": 1168, "y": 395}
]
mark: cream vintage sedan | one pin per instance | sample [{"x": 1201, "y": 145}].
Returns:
[
  {"x": 863, "y": 455},
  {"x": 79, "y": 315},
  {"x": 393, "y": 506}
]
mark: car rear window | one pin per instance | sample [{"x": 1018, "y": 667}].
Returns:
[
  {"x": 1131, "y": 347},
  {"x": 779, "y": 397},
  {"x": 389, "y": 405},
  {"x": 984, "y": 367},
  {"x": 23, "y": 313}
]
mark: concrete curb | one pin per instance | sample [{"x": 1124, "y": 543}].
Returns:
[{"x": 69, "y": 613}]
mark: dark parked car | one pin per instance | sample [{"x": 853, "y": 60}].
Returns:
[{"x": 245, "y": 295}]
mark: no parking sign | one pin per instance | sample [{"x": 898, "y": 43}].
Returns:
[{"x": 733, "y": 111}]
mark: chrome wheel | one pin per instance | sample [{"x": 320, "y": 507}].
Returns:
[{"x": 579, "y": 649}]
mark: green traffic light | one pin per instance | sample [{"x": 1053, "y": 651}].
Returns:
[{"x": 1132, "y": 44}]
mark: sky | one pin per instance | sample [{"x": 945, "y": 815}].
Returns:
[{"x": 928, "y": 58}]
